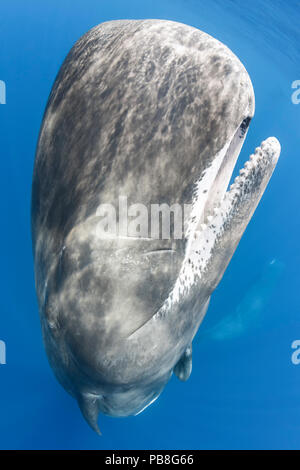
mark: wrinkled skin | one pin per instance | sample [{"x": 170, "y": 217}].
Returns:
[{"x": 156, "y": 111}]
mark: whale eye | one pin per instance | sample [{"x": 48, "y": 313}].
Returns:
[{"x": 244, "y": 126}]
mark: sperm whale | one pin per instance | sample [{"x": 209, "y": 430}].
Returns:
[{"x": 156, "y": 111}]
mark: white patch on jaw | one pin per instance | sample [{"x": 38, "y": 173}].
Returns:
[{"x": 202, "y": 188}]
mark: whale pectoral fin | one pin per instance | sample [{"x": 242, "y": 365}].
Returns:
[
  {"x": 183, "y": 368},
  {"x": 89, "y": 406}
]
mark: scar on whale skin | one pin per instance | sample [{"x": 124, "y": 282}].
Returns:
[{"x": 157, "y": 111}]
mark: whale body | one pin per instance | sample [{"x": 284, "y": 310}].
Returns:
[{"x": 157, "y": 112}]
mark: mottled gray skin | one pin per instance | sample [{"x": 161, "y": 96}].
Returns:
[{"x": 138, "y": 109}]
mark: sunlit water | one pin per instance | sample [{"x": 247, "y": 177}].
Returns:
[{"x": 244, "y": 390}]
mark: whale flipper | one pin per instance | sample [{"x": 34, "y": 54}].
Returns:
[
  {"x": 183, "y": 368},
  {"x": 89, "y": 406}
]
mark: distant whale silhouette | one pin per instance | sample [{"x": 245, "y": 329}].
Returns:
[
  {"x": 249, "y": 310},
  {"x": 156, "y": 111}
]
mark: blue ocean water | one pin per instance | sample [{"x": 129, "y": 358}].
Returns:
[{"x": 244, "y": 389}]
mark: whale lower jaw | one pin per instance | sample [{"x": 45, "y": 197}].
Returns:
[
  {"x": 215, "y": 238},
  {"x": 255, "y": 173}
]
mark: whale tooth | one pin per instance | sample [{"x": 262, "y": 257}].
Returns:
[
  {"x": 263, "y": 144},
  {"x": 203, "y": 226},
  {"x": 210, "y": 218},
  {"x": 248, "y": 165},
  {"x": 216, "y": 210},
  {"x": 258, "y": 154}
]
